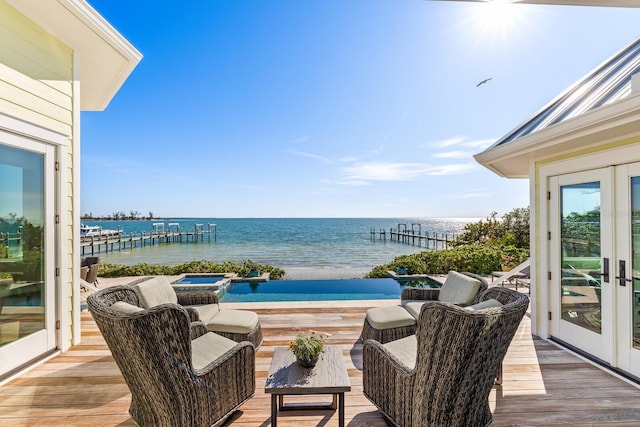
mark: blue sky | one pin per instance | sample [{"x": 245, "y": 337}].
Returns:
[{"x": 328, "y": 108}]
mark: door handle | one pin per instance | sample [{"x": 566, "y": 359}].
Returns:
[
  {"x": 622, "y": 266},
  {"x": 605, "y": 271}
]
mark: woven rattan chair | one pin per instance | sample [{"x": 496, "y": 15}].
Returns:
[
  {"x": 238, "y": 325},
  {"x": 442, "y": 376},
  {"x": 178, "y": 373},
  {"x": 406, "y": 319}
]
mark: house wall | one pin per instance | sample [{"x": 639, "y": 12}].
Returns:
[{"x": 37, "y": 86}]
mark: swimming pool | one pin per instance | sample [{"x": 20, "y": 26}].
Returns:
[
  {"x": 315, "y": 290},
  {"x": 199, "y": 279}
]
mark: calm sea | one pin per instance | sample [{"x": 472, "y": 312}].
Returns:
[{"x": 304, "y": 247}]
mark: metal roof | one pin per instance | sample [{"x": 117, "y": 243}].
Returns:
[{"x": 606, "y": 84}]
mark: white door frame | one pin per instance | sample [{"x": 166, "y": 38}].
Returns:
[
  {"x": 600, "y": 345},
  {"x": 628, "y": 356},
  {"x": 17, "y": 353}
]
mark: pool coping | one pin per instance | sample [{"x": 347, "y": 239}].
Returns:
[{"x": 219, "y": 285}]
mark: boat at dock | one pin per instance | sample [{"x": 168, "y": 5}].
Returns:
[{"x": 97, "y": 231}]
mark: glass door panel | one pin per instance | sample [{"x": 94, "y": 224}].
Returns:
[
  {"x": 27, "y": 280},
  {"x": 580, "y": 248},
  {"x": 22, "y": 214},
  {"x": 581, "y": 255},
  {"x": 635, "y": 261},
  {"x": 627, "y": 268}
]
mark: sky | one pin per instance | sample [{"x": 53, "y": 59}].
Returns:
[{"x": 329, "y": 108}]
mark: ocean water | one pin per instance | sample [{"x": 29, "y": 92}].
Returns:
[{"x": 304, "y": 247}]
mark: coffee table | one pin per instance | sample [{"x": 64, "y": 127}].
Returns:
[{"x": 286, "y": 377}]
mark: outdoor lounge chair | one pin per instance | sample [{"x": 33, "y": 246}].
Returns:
[
  {"x": 443, "y": 375},
  {"x": 238, "y": 325},
  {"x": 385, "y": 324},
  {"x": 179, "y": 374},
  {"x": 89, "y": 269}
]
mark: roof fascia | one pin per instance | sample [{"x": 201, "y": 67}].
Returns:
[
  {"x": 614, "y": 122},
  {"x": 106, "y": 58}
]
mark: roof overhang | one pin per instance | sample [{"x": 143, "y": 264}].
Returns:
[
  {"x": 104, "y": 58},
  {"x": 609, "y": 124},
  {"x": 602, "y": 3}
]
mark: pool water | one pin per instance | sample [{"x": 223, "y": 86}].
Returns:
[
  {"x": 193, "y": 279},
  {"x": 314, "y": 290}
]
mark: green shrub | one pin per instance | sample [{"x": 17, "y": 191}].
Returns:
[
  {"x": 511, "y": 230},
  {"x": 204, "y": 266},
  {"x": 474, "y": 258}
]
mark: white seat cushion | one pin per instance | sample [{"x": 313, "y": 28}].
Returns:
[
  {"x": 208, "y": 347},
  {"x": 405, "y": 349},
  {"x": 125, "y": 308},
  {"x": 490, "y": 303},
  {"x": 206, "y": 312},
  {"x": 155, "y": 291},
  {"x": 233, "y": 321},
  {"x": 414, "y": 307},
  {"x": 389, "y": 317},
  {"x": 459, "y": 288}
]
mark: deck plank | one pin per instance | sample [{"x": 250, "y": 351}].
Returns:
[{"x": 544, "y": 385}]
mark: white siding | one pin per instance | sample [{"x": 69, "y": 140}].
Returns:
[{"x": 36, "y": 85}]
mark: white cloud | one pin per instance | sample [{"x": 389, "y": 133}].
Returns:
[
  {"x": 458, "y": 154},
  {"x": 346, "y": 159},
  {"x": 475, "y": 195},
  {"x": 481, "y": 143},
  {"x": 347, "y": 182},
  {"x": 447, "y": 142},
  {"x": 460, "y": 141},
  {"x": 309, "y": 155},
  {"x": 377, "y": 150},
  {"x": 400, "y": 171}
]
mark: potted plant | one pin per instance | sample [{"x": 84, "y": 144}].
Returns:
[
  {"x": 308, "y": 347},
  {"x": 508, "y": 263}
]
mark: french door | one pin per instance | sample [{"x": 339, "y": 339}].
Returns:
[
  {"x": 581, "y": 252},
  {"x": 27, "y": 282},
  {"x": 627, "y": 269},
  {"x": 594, "y": 249}
]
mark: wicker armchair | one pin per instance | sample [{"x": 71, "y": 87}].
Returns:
[
  {"x": 178, "y": 373},
  {"x": 403, "y": 322},
  {"x": 442, "y": 376},
  {"x": 237, "y": 325}
]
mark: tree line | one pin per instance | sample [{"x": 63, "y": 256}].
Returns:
[{"x": 118, "y": 216}]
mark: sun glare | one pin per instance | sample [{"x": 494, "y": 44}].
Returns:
[{"x": 497, "y": 17}]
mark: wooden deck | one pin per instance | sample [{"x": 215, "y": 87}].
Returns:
[{"x": 543, "y": 384}]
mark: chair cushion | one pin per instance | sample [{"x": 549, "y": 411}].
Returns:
[
  {"x": 405, "y": 349},
  {"x": 125, "y": 308},
  {"x": 490, "y": 303},
  {"x": 459, "y": 288},
  {"x": 389, "y": 317},
  {"x": 206, "y": 312},
  {"x": 414, "y": 307},
  {"x": 233, "y": 321},
  {"x": 155, "y": 291},
  {"x": 209, "y": 347}
]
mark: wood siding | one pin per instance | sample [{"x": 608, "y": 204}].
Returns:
[{"x": 36, "y": 85}]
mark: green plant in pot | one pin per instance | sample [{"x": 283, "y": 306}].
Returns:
[{"x": 308, "y": 347}]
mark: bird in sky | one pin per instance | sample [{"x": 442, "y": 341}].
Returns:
[{"x": 484, "y": 81}]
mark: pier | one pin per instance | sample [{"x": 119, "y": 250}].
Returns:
[
  {"x": 414, "y": 236},
  {"x": 110, "y": 242}
]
